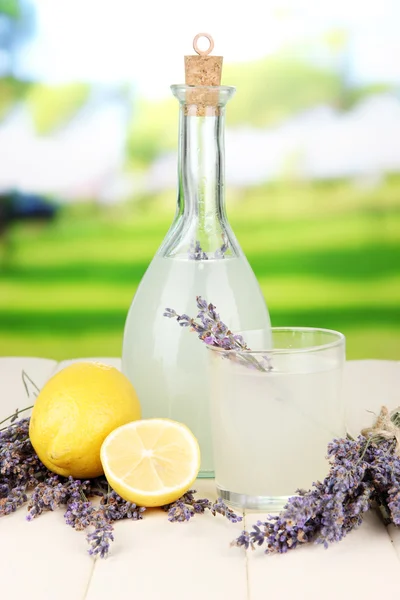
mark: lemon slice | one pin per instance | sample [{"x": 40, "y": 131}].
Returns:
[{"x": 151, "y": 462}]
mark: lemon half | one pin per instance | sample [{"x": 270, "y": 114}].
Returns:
[{"x": 151, "y": 462}]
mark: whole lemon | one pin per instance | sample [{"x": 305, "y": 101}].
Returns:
[{"x": 74, "y": 413}]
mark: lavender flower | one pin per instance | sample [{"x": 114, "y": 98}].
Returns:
[
  {"x": 56, "y": 491},
  {"x": 221, "y": 508},
  {"x": 115, "y": 508},
  {"x": 385, "y": 472},
  {"x": 187, "y": 506},
  {"x": 213, "y": 332},
  {"x": 12, "y": 500},
  {"x": 393, "y": 502},
  {"x": 99, "y": 540},
  {"x": 79, "y": 514},
  {"x": 180, "y": 512},
  {"x": 244, "y": 540},
  {"x": 16, "y": 431},
  {"x": 20, "y": 468}
]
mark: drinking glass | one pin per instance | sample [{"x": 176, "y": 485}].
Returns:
[{"x": 273, "y": 413}]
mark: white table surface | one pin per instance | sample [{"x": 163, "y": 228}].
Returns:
[{"x": 154, "y": 559}]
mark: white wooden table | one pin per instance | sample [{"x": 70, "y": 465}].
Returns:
[{"x": 154, "y": 559}]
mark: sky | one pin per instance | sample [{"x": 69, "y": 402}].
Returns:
[
  {"x": 144, "y": 42},
  {"x": 113, "y": 41}
]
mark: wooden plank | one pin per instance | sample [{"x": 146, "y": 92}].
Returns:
[
  {"x": 43, "y": 559},
  {"x": 363, "y": 565},
  {"x": 155, "y": 559}
]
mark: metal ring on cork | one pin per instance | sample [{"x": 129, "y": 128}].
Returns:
[{"x": 209, "y": 49}]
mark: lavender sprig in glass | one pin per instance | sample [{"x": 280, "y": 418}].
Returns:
[{"x": 213, "y": 332}]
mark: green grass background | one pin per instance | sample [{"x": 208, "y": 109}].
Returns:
[{"x": 326, "y": 255}]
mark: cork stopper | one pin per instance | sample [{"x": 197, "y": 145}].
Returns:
[{"x": 202, "y": 69}]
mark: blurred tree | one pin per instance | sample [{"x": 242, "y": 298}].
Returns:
[
  {"x": 153, "y": 129},
  {"x": 11, "y": 90},
  {"x": 10, "y": 8},
  {"x": 53, "y": 106},
  {"x": 273, "y": 88},
  {"x": 17, "y": 22}
]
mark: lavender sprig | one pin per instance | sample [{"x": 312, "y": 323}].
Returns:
[
  {"x": 187, "y": 506},
  {"x": 79, "y": 514},
  {"x": 13, "y": 500},
  {"x": 213, "y": 332},
  {"x": 115, "y": 508},
  {"x": 99, "y": 540}
]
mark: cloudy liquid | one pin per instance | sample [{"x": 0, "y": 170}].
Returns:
[
  {"x": 168, "y": 364},
  {"x": 271, "y": 430}
]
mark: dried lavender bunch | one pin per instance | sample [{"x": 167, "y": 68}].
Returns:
[
  {"x": 15, "y": 498},
  {"x": 324, "y": 514},
  {"x": 20, "y": 468},
  {"x": 25, "y": 480},
  {"x": 56, "y": 491},
  {"x": 187, "y": 506},
  {"x": 213, "y": 332},
  {"x": 364, "y": 473},
  {"x": 385, "y": 434}
]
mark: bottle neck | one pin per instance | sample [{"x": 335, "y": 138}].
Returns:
[
  {"x": 201, "y": 167},
  {"x": 200, "y": 230}
]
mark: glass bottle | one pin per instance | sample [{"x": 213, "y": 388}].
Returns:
[{"x": 200, "y": 256}]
